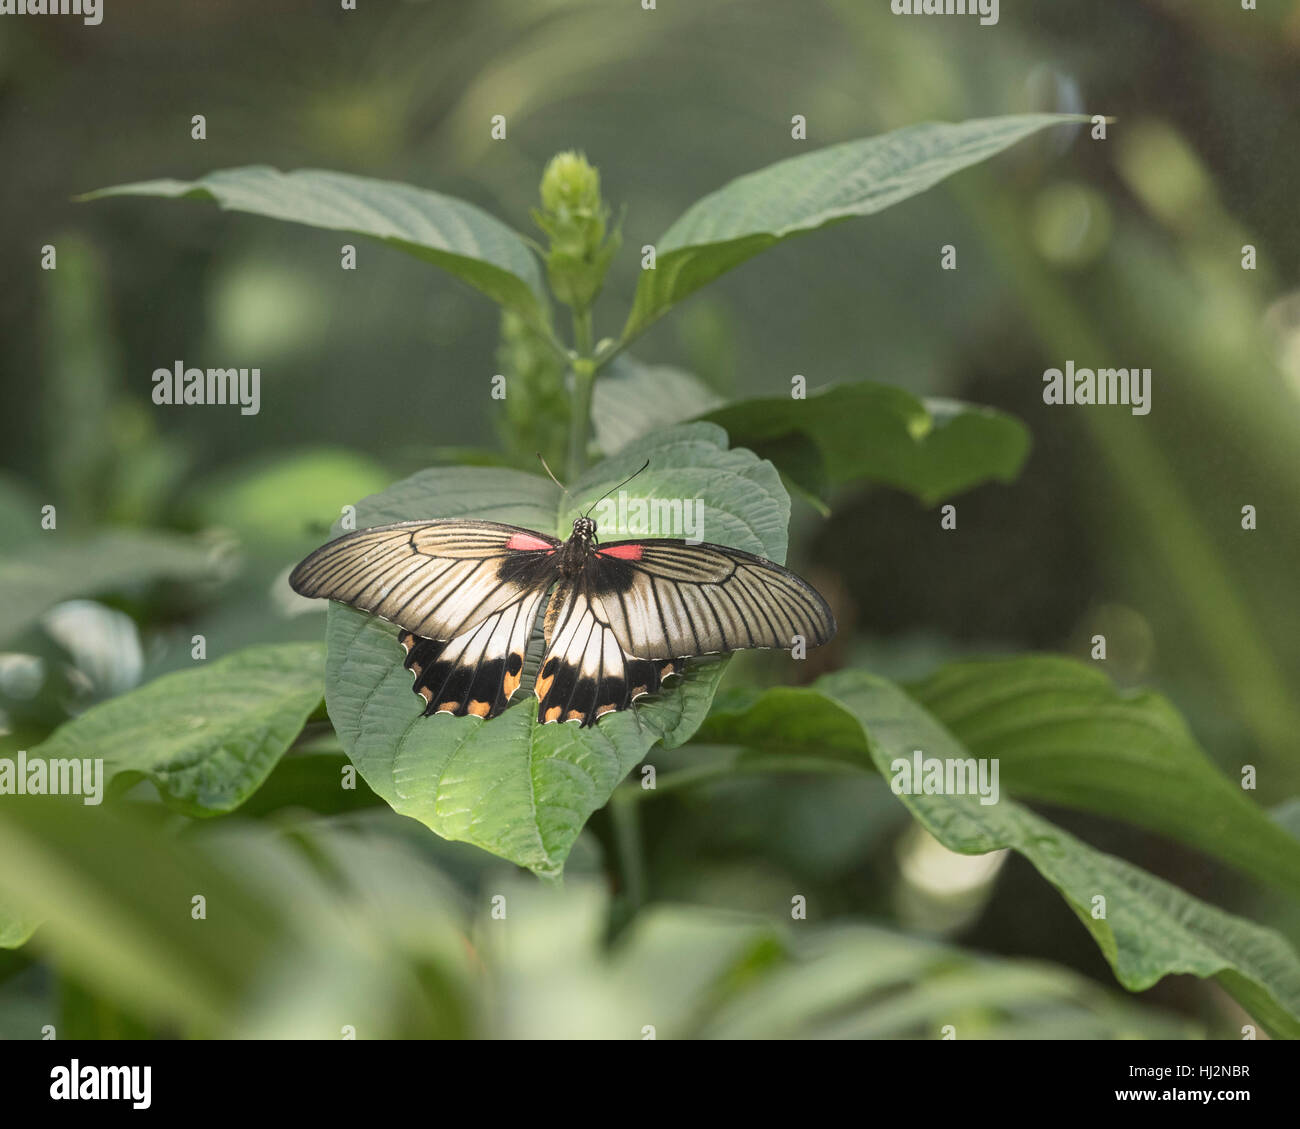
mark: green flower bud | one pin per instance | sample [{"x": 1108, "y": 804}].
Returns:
[
  {"x": 570, "y": 185},
  {"x": 574, "y": 216}
]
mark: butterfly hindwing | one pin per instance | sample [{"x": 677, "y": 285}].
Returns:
[
  {"x": 476, "y": 672},
  {"x": 671, "y": 599},
  {"x": 585, "y": 673}
]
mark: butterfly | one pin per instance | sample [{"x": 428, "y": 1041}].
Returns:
[{"x": 621, "y": 618}]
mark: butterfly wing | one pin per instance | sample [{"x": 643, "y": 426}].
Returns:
[
  {"x": 666, "y": 599},
  {"x": 464, "y": 592},
  {"x": 478, "y": 671},
  {"x": 436, "y": 579},
  {"x": 585, "y": 672}
]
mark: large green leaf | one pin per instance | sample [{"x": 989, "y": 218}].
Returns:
[
  {"x": 114, "y": 898},
  {"x": 206, "y": 737},
  {"x": 1064, "y": 734},
  {"x": 631, "y": 399},
  {"x": 1151, "y": 929},
  {"x": 691, "y": 972},
  {"x": 354, "y": 930},
  {"x": 360, "y": 929},
  {"x": 54, "y": 567},
  {"x": 457, "y": 236},
  {"x": 854, "y": 981},
  {"x": 516, "y": 788},
  {"x": 878, "y": 433},
  {"x": 800, "y": 194},
  {"x": 1061, "y": 732}
]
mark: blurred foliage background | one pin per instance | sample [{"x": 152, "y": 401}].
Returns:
[{"x": 1126, "y": 252}]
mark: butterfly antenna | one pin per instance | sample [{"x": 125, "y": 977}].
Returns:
[
  {"x": 613, "y": 488},
  {"x": 548, "y": 471}
]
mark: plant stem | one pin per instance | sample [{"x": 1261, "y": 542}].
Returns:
[
  {"x": 582, "y": 333},
  {"x": 626, "y": 816},
  {"x": 584, "y": 377}
]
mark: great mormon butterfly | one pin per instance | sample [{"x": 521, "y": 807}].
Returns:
[{"x": 622, "y": 616}]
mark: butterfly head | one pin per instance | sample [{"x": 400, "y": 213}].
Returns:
[{"x": 584, "y": 529}]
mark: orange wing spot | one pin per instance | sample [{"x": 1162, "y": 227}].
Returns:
[
  {"x": 669, "y": 668},
  {"x": 425, "y": 693},
  {"x": 553, "y": 714},
  {"x": 480, "y": 709},
  {"x": 601, "y": 711},
  {"x": 543, "y": 686},
  {"x": 574, "y": 715},
  {"x": 449, "y": 707},
  {"x": 416, "y": 669},
  {"x": 407, "y": 640},
  {"x": 640, "y": 692},
  {"x": 510, "y": 684}
]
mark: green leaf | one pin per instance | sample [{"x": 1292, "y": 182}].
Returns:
[
  {"x": 870, "y": 432},
  {"x": 328, "y": 925},
  {"x": 1151, "y": 930},
  {"x": 800, "y": 194},
  {"x": 631, "y": 399},
  {"x": 273, "y": 501},
  {"x": 303, "y": 934},
  {"x": 55, "y": 567},
  {"x": 16, "y": 925},
  {"x": 114, "y": 898},
  {"x": 855, "y": 981},
  {"x": 518, "y": 789},
  {"x": 84, "y": 1014},
  {"x": 1065, "y": 735},
  {"x": 693, "y": 972},
  {"x": 744, "y": 504},
  {"x": 207, "y": 737},
  {"x": 450, "y": 233}
]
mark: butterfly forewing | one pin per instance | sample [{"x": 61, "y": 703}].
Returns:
[
  {"x": 436, "y": 579},
  {"x": 671, "y": 599}
]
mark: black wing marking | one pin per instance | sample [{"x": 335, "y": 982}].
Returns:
[
  {"x": 676, "y": 600},
  {"x": 436, "y": 579},
  {"x": 585, "y": 673},
  {"x": 477, "y": 672}
]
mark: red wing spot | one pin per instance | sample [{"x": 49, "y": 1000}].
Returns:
[
  {"x": 622, "y": 552},
  {"x": 527, "y": 542}
]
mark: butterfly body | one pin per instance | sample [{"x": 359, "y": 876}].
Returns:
[{"x": 621, "y": 617}]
